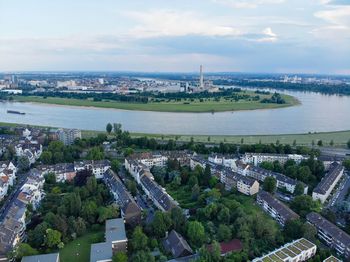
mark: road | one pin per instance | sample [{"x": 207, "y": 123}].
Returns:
[{"x": 21, "y": 179}]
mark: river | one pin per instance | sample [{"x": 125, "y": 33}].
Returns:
[{"x": 317, "y": 113}]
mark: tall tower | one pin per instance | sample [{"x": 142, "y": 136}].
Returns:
[{"x": 201, "y": 80}]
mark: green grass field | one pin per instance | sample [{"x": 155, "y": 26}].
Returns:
[
  {"x": 179, "y": 106},
  {"x": 79, "y": 249},
  {"x": 339, "y": 138}
]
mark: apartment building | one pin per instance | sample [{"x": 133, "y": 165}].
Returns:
[
  {"x": 130, "y": 210},
  {"x": 332, "y": 235},
  {"x": 243, "y": 184},
  {"x": 327, "y": 184},
  {"x": 296, "y": 251},
  {"x": 68, "y": 136},
  {"x": 257, "y": 158},
  {"x": 275, "y": 208}
]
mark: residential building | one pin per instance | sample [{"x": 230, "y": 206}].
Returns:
[
  {"x": 298, "y": 250},
  {"x": 243, "y": 184},
  {"x": 30, "y": 149},
  {"x": 283, "y": 181},
  {"x": 235, "y": 245},
  {"x": 327, "y": 184},
  {"x": 130, "y": 210},
  {"x": 224, "y": 160},
  {"x": 275, "y": 208},
  {"x": 257, "y": 158},
  {"x": 63, "y": 171},
  {"x": 68, "y": 136},
  {"x": 175, "y": 244},
  {"x": 332, "y": 259},
  {"x": 332, "y": 235},
  {"x": 97, "y": 167},
  {"x": 53, "y": 257},
  {"x": 115, "y": 241},
  {"x": 157, "y": 194}
]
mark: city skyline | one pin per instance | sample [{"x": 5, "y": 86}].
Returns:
[{"x": 262, "y": 36}]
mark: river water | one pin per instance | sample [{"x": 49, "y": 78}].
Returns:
[{"x": 317, "y": 113}]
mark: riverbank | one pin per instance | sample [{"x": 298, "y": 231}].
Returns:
[
  {"x": 196, "y": 106},
  {"x": 340, "y": 138}
]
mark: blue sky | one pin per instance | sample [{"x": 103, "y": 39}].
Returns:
[{"x": 277, "y": 36}]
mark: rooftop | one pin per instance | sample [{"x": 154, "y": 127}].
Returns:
[
  {"x": 115, "y": 230},
  {"x": 100, "y": 252},
  {"x": 333, "y": 173},
  {"x": 54, "y": 257}
]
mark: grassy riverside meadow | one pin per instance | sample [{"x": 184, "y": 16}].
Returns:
[
  {"x": 340, "y": 138},
  {"x": 208, "y": 105}
]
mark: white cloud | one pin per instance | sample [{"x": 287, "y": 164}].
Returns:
[
  {"x": 159, "y": 23},
  {"x": 267, "y": 36},
  {"x": 247, "y": 3},
  {"x": 339, "y": 15}
]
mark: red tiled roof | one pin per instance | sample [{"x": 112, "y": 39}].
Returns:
[{"x": 235, "y": 245}]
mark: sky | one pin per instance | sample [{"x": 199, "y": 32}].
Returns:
[{"x": 257, "y": 36}]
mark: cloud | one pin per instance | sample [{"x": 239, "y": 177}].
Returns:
[
  {"x": 158, "y": 23},
  {"x": 336, "y": 15},
  {"x": 247, "y": 3}
]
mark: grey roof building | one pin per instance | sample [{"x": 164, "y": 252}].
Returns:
[
  {"x": 177, "y": 245},
  {"x": 101, "y": 252},
  {"x": 279, "y": 211},
  {"x": 332, "y": 235},
  {"x": 54, "y": 257}
]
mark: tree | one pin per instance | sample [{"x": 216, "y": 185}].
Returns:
[
  {"x": 161, "y": 223},
  {"x": 120, "y": 257},
  {"x": 346, "y": 164},
  {"x": 23, "y": 163},
  {"x": 195, "y": 192},
  {"x": 117, "y": 128},
  {"x": 206, "y": 175},
  {"x": 115, "y": 165},
  {"x": 348, "y": 143},
  {"x": 331, "y": 143},
  {"x": 52, "y": 238},
  {"x": 224, "y": 233},
  {"x": 96, "y": 153},
  {"x": 178, "y": 219},
  {"x": 294, "y": 142},
  {"x": 303, "y": 205},
  {"x": 109, "y": 128},
  {"x": 139, "y": 240},
  {"x": 212, "y": 254},
  {"x": 105, "y": 213},
  {"x": 46, "y": 157},
  {"x": 89, "y": 211},
  {"x": 293, "y": 229},
  {"x": 270, "y": 184},
  {"x": 23, "y": 250},
  {"x": 36, "y": 237},
  {"x": 142, "y": 256},
  {"x": 299, "y": 189},
  {"x": 132, "y": 187},
  {"x": 195, "y": 233},
  {"x": 319, "y": 143}
]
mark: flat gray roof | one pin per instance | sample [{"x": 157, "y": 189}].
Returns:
[
  {"x": 100, "y": 252},
  {"x": 115, "y": 230},
  {"x": 53, "y": 257}
]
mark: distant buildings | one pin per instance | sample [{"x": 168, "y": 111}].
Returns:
[
  {"x": 67, "y": 171},
  {"x": 130, "y": 210},
  {"x": 332, "y": 235},
  {"x": 116, "y": 241},
  {"x": 257, "y": 159},
  {"x": 275, "y": 208},
  {"x": 68, "y": 136},
  {"x": 7, "y": 177},
  {"x": 298, "y": 250},
  {"x": 283, "y": 181},
  {"x": 327, "y": 184},
  {"x": 30, "y": 149}
]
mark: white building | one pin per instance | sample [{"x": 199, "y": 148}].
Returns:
[
  {"x": 298, "y": 250},
  {"x": 68, "y": 136},
  {"x": 257, "y": 159},
  {"x": 327, "y": 184}
]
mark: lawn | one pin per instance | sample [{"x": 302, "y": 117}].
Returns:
[
  {"x": 179, "y": 106},
  {"x": 340, "y": 138},
  {"x": 184, "y": 196},
  {"x": 78, "y": 250}
]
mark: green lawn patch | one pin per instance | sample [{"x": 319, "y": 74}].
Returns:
[{"x": 78, "y": 250}]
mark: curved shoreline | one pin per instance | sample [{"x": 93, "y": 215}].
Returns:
[{"x": 179, "y": 108}]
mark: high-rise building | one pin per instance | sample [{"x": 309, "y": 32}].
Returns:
[
  {"x": 201, "y": 79},
  {"x": 68, "y": 136}
]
